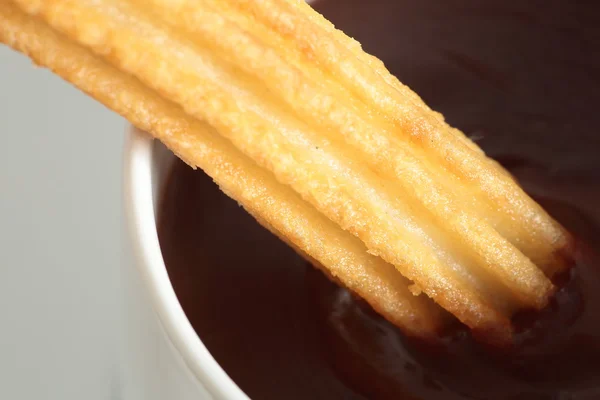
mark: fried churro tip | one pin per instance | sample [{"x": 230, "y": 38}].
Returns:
[{"x": 319, "y": 142}]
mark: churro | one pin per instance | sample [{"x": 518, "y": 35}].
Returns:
[{"x": 319, "y": 142}]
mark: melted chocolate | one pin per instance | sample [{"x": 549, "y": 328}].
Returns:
[{"x": 522, "y": 78}]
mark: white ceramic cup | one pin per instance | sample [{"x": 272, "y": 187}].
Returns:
[{"x": 163, "y": 356}]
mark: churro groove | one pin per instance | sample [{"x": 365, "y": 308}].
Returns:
[{"x": 319, "y": 142}]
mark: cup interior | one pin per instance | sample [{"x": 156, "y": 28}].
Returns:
[
  {"x": 498, "y": 95},
  {"x": 146, "y": 167}
]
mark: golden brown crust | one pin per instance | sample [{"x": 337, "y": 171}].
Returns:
[
  {"x": 198, "y": 144},
  {"x": 318, "y": 141}
]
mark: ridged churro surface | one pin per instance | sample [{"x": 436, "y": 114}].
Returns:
[{"x": 318, "y": 141}]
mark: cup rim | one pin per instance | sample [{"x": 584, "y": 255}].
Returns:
[{"x": 139, "y": 211}]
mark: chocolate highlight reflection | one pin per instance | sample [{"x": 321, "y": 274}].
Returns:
[{"x": 521, "y": 78}]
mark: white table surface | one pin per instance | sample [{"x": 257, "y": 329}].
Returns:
[{"x": 60, "y": 232}]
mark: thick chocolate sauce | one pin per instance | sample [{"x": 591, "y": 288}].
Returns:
[{"x": 523, "y": 79}]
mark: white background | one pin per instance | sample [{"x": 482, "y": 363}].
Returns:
[{"x": 60, "y": 230}]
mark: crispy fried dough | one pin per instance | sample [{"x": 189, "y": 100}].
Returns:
[{"x": 318, "y": 141}]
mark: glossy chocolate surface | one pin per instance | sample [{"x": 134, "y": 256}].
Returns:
[{"x": 520, "y": 77}]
